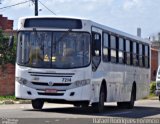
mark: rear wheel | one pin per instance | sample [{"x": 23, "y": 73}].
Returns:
[
  {"x": 129, "y": 104},
  {"x": 37, "y": 104},
  {"x": 99, "y": 107}
]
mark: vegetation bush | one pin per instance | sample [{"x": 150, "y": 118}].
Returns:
[
  {"x": 152, "y": 87},
  {"x": 7, "y": 55}
]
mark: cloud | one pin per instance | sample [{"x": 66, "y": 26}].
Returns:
[
  {"x": 125, "y": 15},
  {"x": 131, "y": 4},
  {"x": 81, "y": 8}
]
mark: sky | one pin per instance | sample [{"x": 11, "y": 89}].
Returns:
[{"x": 124, "y": 15}]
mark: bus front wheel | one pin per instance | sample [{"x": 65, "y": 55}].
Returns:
[
  {"x": 99, "y": 107},
  {"x": 37, "y": 104}
]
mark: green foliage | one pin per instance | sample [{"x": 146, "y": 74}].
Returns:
[
  {"x": 152, "y": 87},
  {"x": 7, "y": 98},
  {"x": 7, "y": 55}
]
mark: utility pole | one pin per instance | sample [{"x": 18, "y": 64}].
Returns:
[{"x": 36, "y": 7}]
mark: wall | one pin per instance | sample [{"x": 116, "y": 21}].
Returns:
[
  {"x": 7, "y": 80},
  {"x": 5, "y": 23},
  {"x": 7, "y": 76},
  {"x": 154, "y": 63}
]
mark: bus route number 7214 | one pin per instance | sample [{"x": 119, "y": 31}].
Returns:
[{"x": 66, "y": 79}]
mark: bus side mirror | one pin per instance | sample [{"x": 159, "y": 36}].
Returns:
[{"x": 11, "y": 41}]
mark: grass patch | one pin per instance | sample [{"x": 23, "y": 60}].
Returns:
[
  {"x": 152, "y": 87},
  {"x": 7, "y": 98},
  {"x": 150, "y": 96},
  {"x": 152, "y": 91}
]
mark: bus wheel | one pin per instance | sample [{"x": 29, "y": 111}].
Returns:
[
  {"x": 129, "y": 104},
  {"x": 37, "y": 104},
  {"x": 99, "y": 107}
]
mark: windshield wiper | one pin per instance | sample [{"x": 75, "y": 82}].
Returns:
[{"x": 65, "y": 34}]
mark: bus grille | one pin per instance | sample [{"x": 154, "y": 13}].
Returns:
[
  {"x": 55, "y": 84},
  {"x": 51, "y": 94},
  {"x": 42, "y": 74}
]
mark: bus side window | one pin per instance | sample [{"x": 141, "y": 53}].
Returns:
[
  {"x": 96, "y": 50},
  {"x": 128, "y": 52},
  {"x": 146, "y": 56},
  {"x": 141, "y": 62},
  {"x": 106, "y": 49},
  {"x": 96, "y": 44}
]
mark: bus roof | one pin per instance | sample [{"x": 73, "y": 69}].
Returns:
[{"x": 94, "y": 24}]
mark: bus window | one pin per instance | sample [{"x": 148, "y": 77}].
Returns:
[
  {"x": 128, "y": 54},
  {"x": 140, "y": 55},
  {"x": 146, "y": 56},
  {"x": 135, "y": 60},
  {"x": 105, "y": 47},
  {"x": 113, "y": 49},
  {"x": 96, "y": 50},
  {"x": 121, "y": 51}
]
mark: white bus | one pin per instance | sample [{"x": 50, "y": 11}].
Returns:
[{"x": 80, "y": 62}]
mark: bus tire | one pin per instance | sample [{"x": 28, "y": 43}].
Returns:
[
  {"x": 37, "y": 104},
  {"x": 133, "y": 98},
  {"x": 99, "y": 107},
  {"x": 129, "y": 104}
]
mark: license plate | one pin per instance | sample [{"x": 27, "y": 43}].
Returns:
[{"x": 50, "y": 91}]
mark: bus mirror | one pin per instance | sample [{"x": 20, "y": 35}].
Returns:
[{"x": 11, "y": 41}]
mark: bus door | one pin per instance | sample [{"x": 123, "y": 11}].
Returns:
[
  {"x": 96, "y": 48},
  {"x": 96, "y": 60}
]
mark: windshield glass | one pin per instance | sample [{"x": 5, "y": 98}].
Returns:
[{"x": 53, "y": 49}]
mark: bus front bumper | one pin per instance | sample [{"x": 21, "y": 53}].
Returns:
[{"x": 75, "y": 94}]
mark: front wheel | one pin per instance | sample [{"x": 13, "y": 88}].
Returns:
[
  {"x": 37, "y": 104},
  {"x": 99, "y": 107}
]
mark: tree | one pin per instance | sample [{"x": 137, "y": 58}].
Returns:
[{"x": 7, "y": 55}]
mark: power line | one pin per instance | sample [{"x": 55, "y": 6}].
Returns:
[
  {"x": 14, "y": 4},
  {"x": 26, "y": 2},
  {"x": 47, "y": 7}
]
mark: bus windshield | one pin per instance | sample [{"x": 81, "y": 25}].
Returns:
[{"x": 53, "y": 49}]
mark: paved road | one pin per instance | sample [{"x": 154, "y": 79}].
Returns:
[{"x": 142, "y": 109}]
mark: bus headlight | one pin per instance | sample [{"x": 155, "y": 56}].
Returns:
[
  {"x": 21, "y": 80},
  {"x": 82, "y": 83}
]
